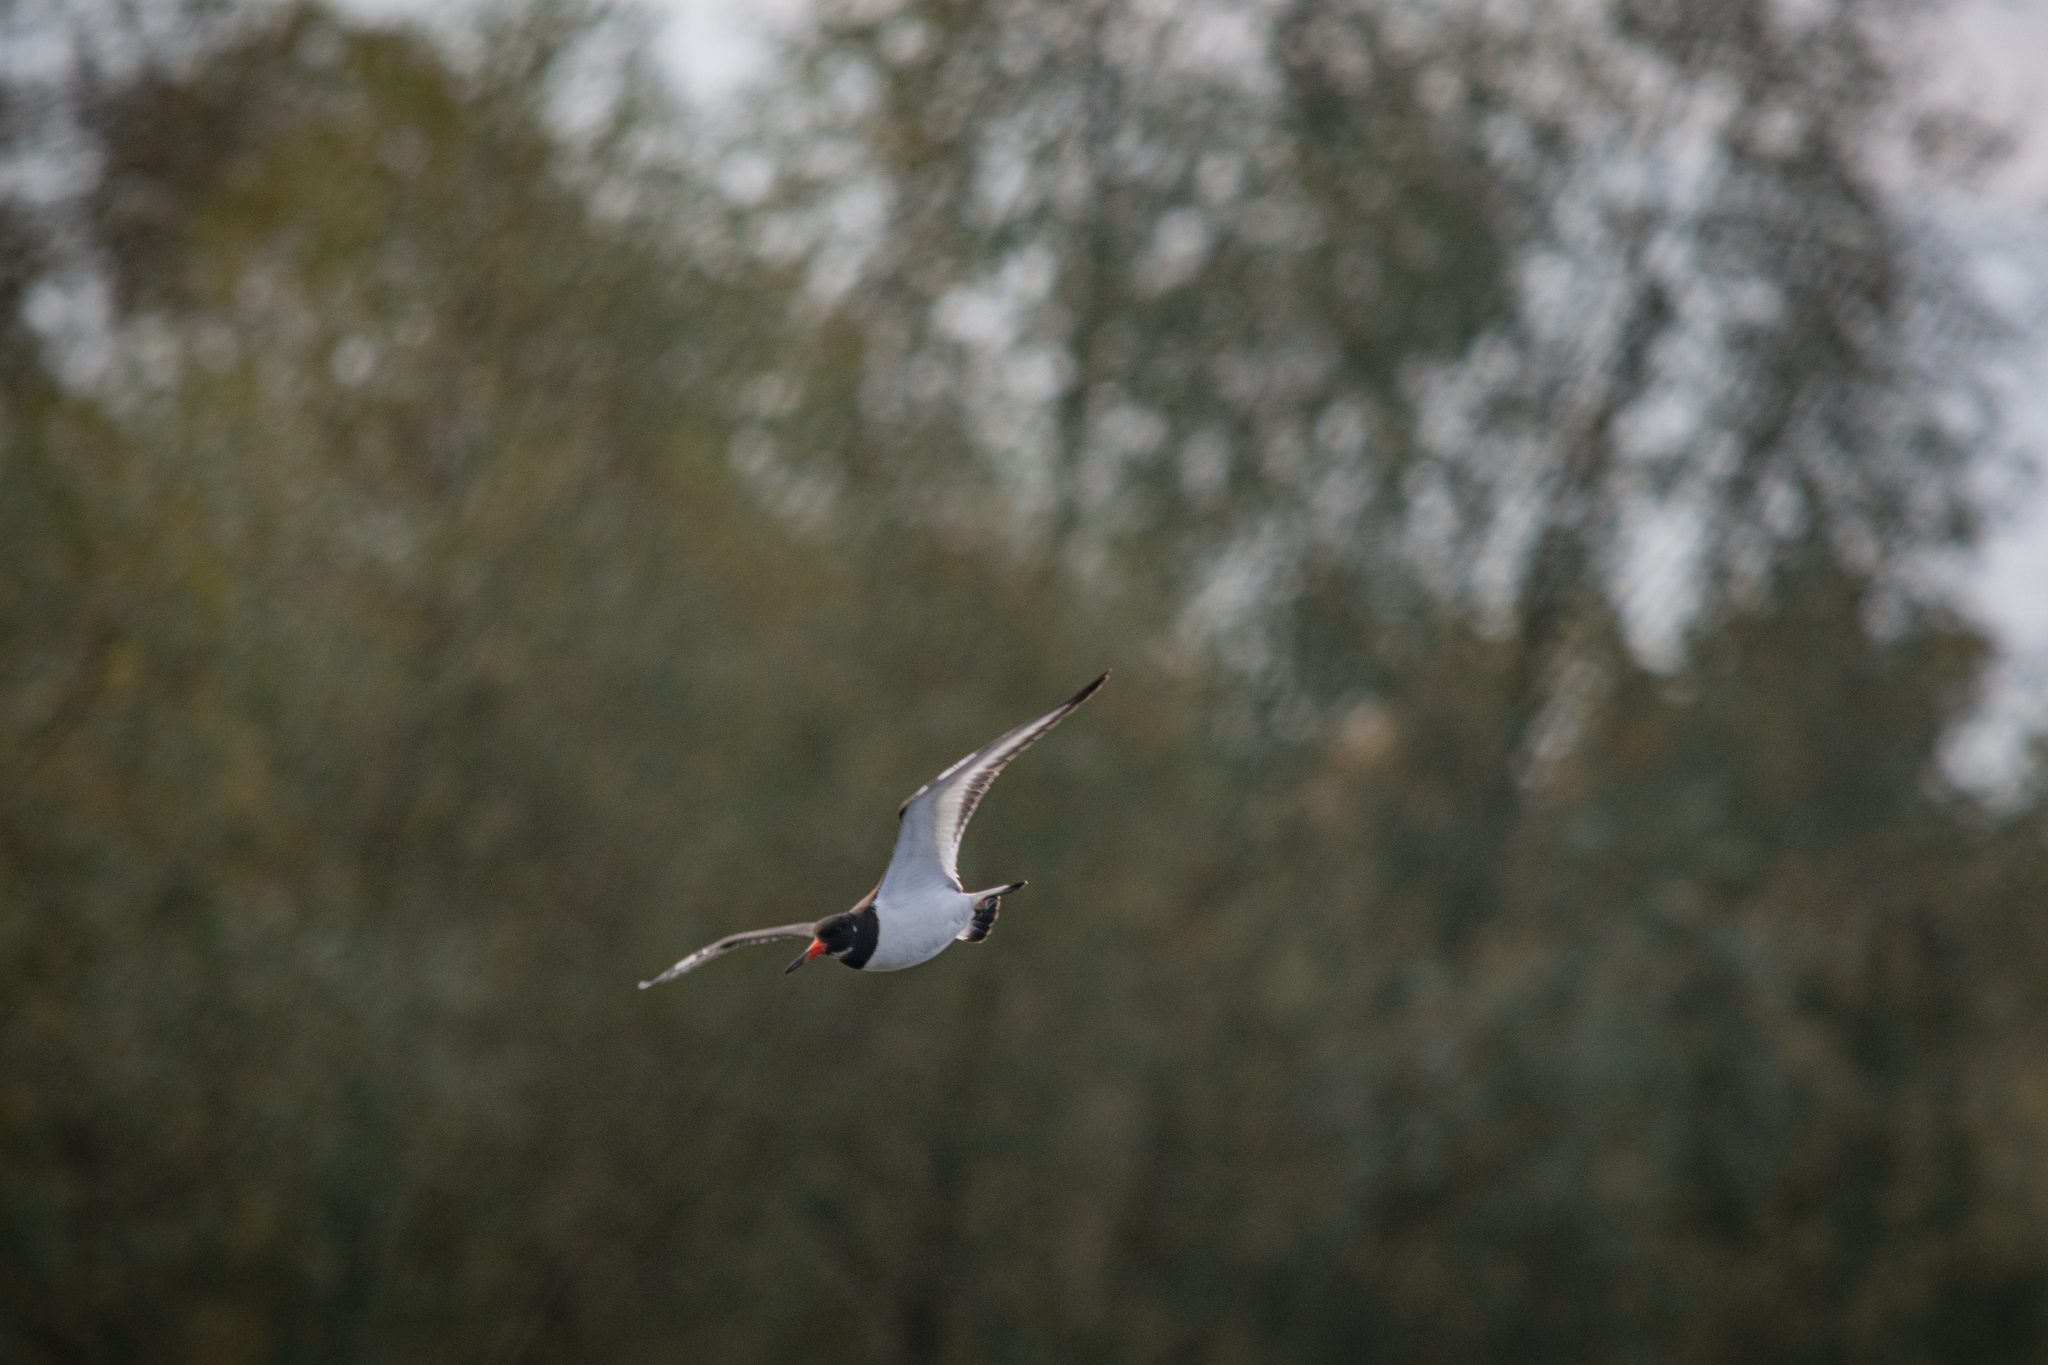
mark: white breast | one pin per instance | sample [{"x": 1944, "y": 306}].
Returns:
[{"x": 916, "y": 927}]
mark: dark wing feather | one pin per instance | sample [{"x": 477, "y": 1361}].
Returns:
[{"x": 936, "y": 815}]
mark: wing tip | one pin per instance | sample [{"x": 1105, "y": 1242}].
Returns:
[
  {"x": 669, "y": 975},
  {"x": 1057, "y": 714}
]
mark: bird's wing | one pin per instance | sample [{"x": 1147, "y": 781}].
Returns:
[
  {"x": 727, "y": 944},
  {"x": 936, "y": 815}
]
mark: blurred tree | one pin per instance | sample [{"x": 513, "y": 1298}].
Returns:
[
  {"x": 1420, "y": 361},
  {"x": 481, "y": 561}
]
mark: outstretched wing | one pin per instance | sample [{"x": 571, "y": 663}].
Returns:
[
  {"x": 936, "y": 815},
  {"x": 727, "y": 944}
]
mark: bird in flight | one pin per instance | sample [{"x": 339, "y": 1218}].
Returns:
[{"x": 919, "y": 905}]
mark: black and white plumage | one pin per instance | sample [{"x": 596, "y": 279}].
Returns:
[{"x": 919, "y": 906}]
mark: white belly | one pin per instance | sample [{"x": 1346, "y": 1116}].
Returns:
[{"x": 918, "y": 927}]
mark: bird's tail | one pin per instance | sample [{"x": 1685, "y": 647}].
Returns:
[{"x": 986, "y": 905}]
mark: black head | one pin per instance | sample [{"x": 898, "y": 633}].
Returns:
[
  {"x": 849, "y": 936},
  {"x": 838, "y": 933}
]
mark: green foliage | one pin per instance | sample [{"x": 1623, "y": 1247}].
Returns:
[{"x": 461, "y": 589}]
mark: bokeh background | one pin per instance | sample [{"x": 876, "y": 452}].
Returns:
[{"x": 475, "y": 525}]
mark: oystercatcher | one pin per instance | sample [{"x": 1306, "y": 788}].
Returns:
[{"x": 919, "y": 905}]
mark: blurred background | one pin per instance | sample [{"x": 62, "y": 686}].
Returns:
[{"x": 1550, "y": 879}]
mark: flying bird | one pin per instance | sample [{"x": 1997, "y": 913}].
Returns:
[{"x": 919, "y": 905}]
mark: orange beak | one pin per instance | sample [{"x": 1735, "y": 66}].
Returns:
[{"x": 817, "y": 946}]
